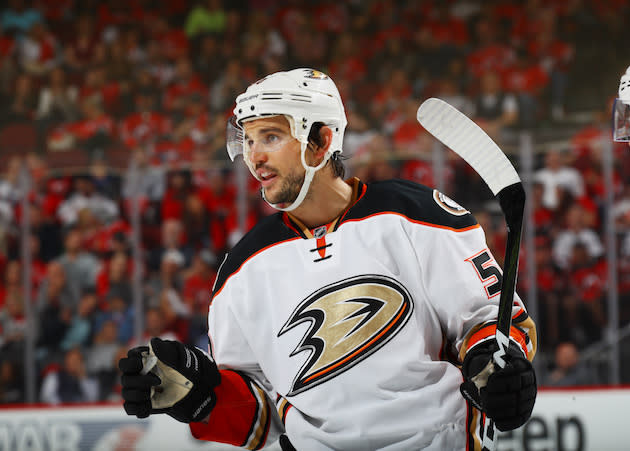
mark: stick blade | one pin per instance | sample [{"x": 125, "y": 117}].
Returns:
[{"x": 459, "y": 133}]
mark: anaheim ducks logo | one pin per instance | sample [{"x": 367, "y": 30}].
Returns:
[
  {"x": 350, "y": 320},
  {"x": 315, "y": 74}
]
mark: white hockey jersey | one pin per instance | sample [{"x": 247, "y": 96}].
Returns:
[{"x": 348, "y": 336}]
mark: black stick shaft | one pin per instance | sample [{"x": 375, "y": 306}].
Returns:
[{"x": 512, "y": 201}]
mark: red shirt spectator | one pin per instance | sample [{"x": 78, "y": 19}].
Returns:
[
  {"x": 88, "y": 127},
  {"x": 119, "y": 13},
  {"x": 331, "y": 17},
  {"x": 494, "y": 57},
  {"x": 173, "y": 154},
  {"x": 445, "y": 28},
  {"x": 186, "y": 84},
  {"x": 525, "y": 78},
  {"x": 142, "y": 127}
]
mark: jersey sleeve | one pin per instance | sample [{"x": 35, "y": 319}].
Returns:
[
  {"x": 463, "y": 284},
  {"x": 245, "y": 413}
]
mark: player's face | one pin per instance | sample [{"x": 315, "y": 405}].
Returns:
[{"x": 274, "y": 155}]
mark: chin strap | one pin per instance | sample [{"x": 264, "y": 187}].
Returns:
[{"x": 308, "y": 178}]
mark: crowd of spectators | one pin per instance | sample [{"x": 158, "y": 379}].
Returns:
[{"x": 157, "y": 80}]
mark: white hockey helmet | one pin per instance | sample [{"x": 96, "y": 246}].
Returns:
[
  {"x": 621, "y": 109},
  {"x": 304, "y": 96}
]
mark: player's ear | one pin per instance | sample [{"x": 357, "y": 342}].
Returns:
[
  {"x": 320, "y": 141},
  {"x": 326, "y": 136}
]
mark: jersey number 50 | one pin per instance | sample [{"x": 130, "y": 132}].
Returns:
[{"x": 488, "y": 271}]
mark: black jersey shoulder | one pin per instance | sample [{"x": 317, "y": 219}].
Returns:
[
  {"x": 268, "y": 231},
  {"x": 412, "y": 200}
]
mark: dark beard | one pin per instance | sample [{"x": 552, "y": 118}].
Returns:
[{"x": 289, "y": 190}]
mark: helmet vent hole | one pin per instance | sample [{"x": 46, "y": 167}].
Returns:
[
  {"x": 252, "y": 107},
  {"x": 305, "y": 84}
]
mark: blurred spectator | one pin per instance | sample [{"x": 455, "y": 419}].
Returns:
[
  {"x": 225, "y": 88},
  {"x": 18, "y": 17},
  {"x": 207, "y": 16},
  {"x": 57, "y": 100},
  {"x": 115, "y": 278},
  {"x": 70, "y": 383},
  {"x": 81, "y": 50},
  {"x": 165, "y": 286},
  {"x": 194, "y": 125},
  {"x": 178, "y": 190},
  {"x": 491, "y": 53},
  {"x": 128, "y": 50},
  {"x": 548, "y": 285},
  {"x": 100, "y": 94},
  {"x": 80, "y": 266},
  {"x": 86, "y": 197},
  {"x": 555, "y": 56},
  {"x": 9, "y": 195},
  {"x": 143, "y": 181},
  {"x": 13, "y": 327},
  {"x": 100, "y": 358},
  {"x": 94, "y": 131},
  {"x": 410, "y": 140},
  {"x": 557, "y": 174},
  {"x": 196, "y": 292},
  {"x": 543, "y": 217},
  {"x": 185, "y": 84},
  {"x": 495, "y": 109},
  {"x": 56, "y": 291},
  {"x": 21, "y": 102},
  {"x": 574, "y": 232},
  {"x": 9, "y": 180},
  {"x": 156, "y": 325},
  {"x": 80, "y": 327},
  {"x": 38, "y": 51},
  {"x": 346, "y": 62},
  {"x": 160, "y": 68},
  {"x": 587, "y": 277},
  {"x": 357, "y": 137},
  {"x": 171, "y": 39},
  {"x": 388, "y": 102},
  {"x": 8, "y": 67},
  {"x": 56, "y": 305},
  {"x": 567, "y": 369},
  {"x": 115, "y": 309},
  {"x": 11, "y": 382},
  {"x": 449, "y": 90},
  {"x": 103, "y": 177},
  {"x": 209, "y": 59},
  {"x": 145, "y": 125},
  {"x": 527, "y": 80},
  {"x": 196, "y": 220}
]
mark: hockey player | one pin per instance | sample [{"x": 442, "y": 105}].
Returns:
[
  {"x": 621, "y": 110},
  {"x": 349, "y": 319}
]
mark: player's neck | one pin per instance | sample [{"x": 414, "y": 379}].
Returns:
[{"x": 326, "y": 201}]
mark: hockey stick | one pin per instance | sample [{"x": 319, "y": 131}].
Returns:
[{"x": 459, "y": 133}]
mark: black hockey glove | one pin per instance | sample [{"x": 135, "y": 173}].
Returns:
[
  {"x": 169, "y": 377},
  {"x": 509, "y": 393}
]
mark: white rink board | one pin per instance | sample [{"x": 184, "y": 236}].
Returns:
[
  {"x": 575, "y": 419},
  {"x": 563, "y": 420},
  {"x": 95, "y": 428}
]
